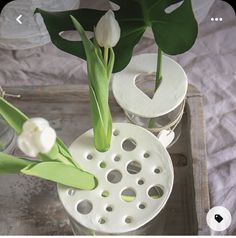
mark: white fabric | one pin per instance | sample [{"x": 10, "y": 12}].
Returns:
[
  {"x": 210, "y": 65},
  {"x": 201, "y": 8},
  {"x": 32, "y": 32}
]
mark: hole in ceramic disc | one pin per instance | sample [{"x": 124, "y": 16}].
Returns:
[
  {"x": 157, "y": 170},
  {"x": 146, "y": 155},
  {"x": 105, "y": 194},
  {"x": 155, "y": 192},
  {"x": 142, "y": 206},
  {"x": 103, "y": 165},
  {"x": 146, "y": 83},
  {"x": 117, "y": 158},
  {"x": 134, "y": 167},
  {"x": 129, "y": 144},
  {"x": 89, "y": 157},
  {"x": 109, "y": 208},
  {"x": 128, "y": 220},
  {"x": 128, "y": 195},
  {"x": 116, "y": 133},
  {"x": 140, "y": 181},
  {"x": 84, "y": 207},
  {"x": 102, "y": 220},
  {"x": 71, "y": 192},
  {"x": 114, "y": 176}
]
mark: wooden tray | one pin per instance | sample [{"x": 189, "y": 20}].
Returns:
[{"x": 30, "y": 206}]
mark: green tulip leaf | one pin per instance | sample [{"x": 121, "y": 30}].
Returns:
[
  {"x": 62, "y": 148},
  {"x": 13, "y": 116},
  {"x": 15, "y": 119},
  {"x": 12, "y": 165},
  {"x": 99, "y": 92},
  {"x": 53, "y": 154},
  {"x": 174, "y": 32},
  {"x": 111, "y": 63},
  {"x": 63, "y": 151},
  {"x": 63, "y": 174},
  {"x": 102, "y": 123}
]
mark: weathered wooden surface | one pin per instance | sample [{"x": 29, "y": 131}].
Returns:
[{"x": 30, "y": 206}]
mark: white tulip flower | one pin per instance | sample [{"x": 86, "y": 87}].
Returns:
[
  {"x": 107, "y": 31},
  {"x": 37, "y": 137}
]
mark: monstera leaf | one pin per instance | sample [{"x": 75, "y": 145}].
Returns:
[{"x": 174, "y": 32}]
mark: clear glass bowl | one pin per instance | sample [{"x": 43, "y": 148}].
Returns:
[
  {"x": 7, "y": 137},
  {"x": 169, "y": 121}
]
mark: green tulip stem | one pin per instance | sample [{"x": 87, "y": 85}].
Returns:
[
  {"x": 158, "y": 80},
  {"x": 159, "y": 69},
  {"x": 106, "y": 52}
]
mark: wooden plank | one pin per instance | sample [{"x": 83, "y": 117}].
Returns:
[
  {"x": 29, "y": 206},
  {"x": 199, "y": 160}
]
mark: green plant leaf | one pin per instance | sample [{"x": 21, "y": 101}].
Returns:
[
  {"x": 98, "y": 89},
  {"x": 53, "y": 154},
  {"x": 63, "y": 149},
  {"x": 110, "y": 63},
  {"x": 63, "y": 174},
  {"x": 13, "y": 116},
  {"x": 174, "y": 32},
  {"x": 90, "y": 51},
  {"x": 61, "y": 21},
  {"x": 11, "y": 165},
  {"x": 102, "y": 123}
]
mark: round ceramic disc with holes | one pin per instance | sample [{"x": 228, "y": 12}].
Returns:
[
  {"x": 135, "y": 179},
  {"x": 169, "y": 95}
]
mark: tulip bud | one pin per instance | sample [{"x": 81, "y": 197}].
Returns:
[
  {"x": 107, "y": 31},
  {"x": 37, "y": 137}
]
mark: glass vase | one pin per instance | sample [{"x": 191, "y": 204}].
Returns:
[{"x": 7, "y": 137}]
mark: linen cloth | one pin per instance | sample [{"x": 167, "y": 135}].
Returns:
[
  {"x": 32, "y": 31},
  {"x": 210, "y": 66}
]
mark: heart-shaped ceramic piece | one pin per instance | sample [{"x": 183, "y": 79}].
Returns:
[
  {"x": 169, "y": 95},
  {"x": 146, "y": 83}
]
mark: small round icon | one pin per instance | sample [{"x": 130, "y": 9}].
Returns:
[{"x": 218, "y": 218}]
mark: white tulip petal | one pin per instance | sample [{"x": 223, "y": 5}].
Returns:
[
  {"x": 36, "y": 123},
  {"x": 46, "y": 140},
  {"x": 28, "y": 126},
  {"x": 107, "y": 31},
  {"x": 37, "y": 137},
  {"x": 26, "y": 147}
]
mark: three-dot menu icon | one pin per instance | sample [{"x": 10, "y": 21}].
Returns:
[{"x": 216, "y": 19}]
